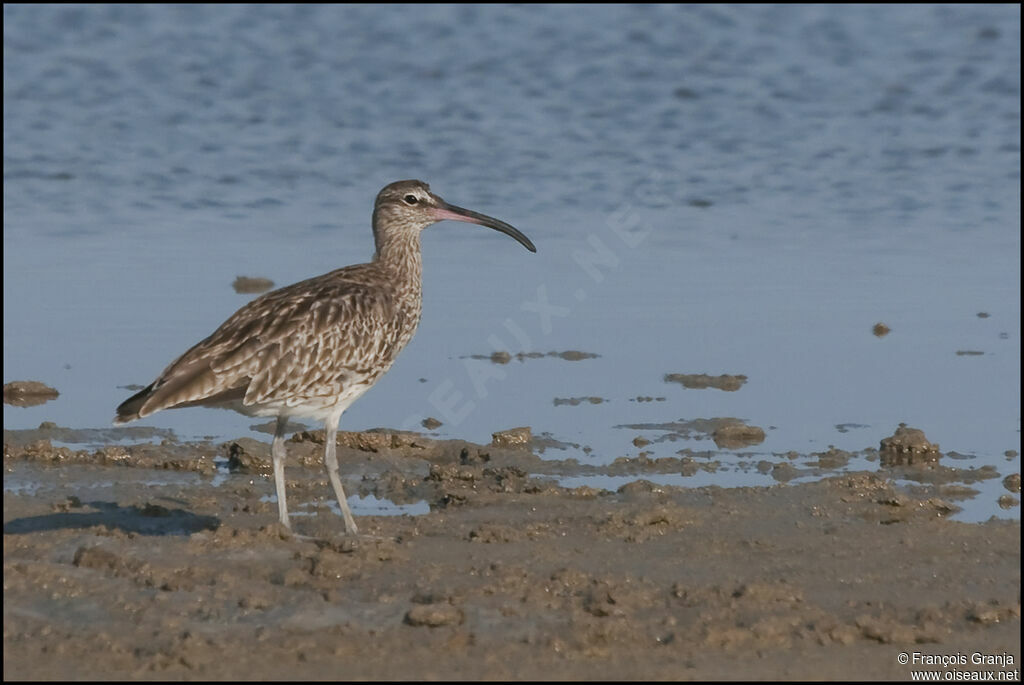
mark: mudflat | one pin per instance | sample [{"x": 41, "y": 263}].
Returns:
[{"x": 165, "y": 561}]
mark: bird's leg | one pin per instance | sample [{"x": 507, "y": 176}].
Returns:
[
  {"x": 277, "y": 451},
  {"x": 331, "y": 462}
]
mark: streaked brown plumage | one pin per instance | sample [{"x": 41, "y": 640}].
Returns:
[{"x": 311, "y": 349}]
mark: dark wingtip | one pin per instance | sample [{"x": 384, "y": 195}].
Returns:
[{"x": 129, "y": 409}]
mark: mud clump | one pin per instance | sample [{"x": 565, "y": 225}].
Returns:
[
  {"x": 574, "y": 355},
  {"x": 737, "y": 435},
  {"x": 576, "y": 401},
  {"x": 832, "y": 459},
  {"x": 688, "y": 466},
  {"x": 1012, "y": 482},
  {"x": 430, "y": 423},
  {"x": 249, "y": 285},
  {"x": 1008, "y": 502},
  {"x": 513, "y": 437},
  {"x": 700, "y": 381},
  {"x": 783, "y": 472},
  {"x": 880, "y": 330},
  {"x": 246, "y": 455},
  {"x": 456, "y": 485},
  {"x": 908, "y": 446},
  {"x": 28, "y": 393}
]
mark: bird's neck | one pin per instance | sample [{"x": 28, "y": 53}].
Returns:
[{"x": 399, "y": 253}]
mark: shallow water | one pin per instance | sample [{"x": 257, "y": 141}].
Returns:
[{"x": 740, "y": 190}]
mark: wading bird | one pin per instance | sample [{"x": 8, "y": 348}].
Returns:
[{"x": 309, "y": 350}]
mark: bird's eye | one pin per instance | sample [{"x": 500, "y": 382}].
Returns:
[{"x": 410, "y": 199}]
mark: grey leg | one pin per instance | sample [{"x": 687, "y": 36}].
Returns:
[
  {"x": 277, "y": 451},
  {"x": 331, "y": 462}
]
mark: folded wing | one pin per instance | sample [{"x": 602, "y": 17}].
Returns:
[{"x": 304, "y": 341}]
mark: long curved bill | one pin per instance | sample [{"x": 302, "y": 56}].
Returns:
[{"x": 454, "y": 213}]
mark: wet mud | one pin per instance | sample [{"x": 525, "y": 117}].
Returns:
[
  {"x": 700, "y": 429},
  {"x": 51, "y": 431},
  {"x": 165, "y": 561}
]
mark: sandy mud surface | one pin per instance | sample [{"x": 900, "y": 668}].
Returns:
[{"x": 164, "y": 561}]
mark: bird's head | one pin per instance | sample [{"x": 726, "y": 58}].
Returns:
[{"x": 410, "y": 206}]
